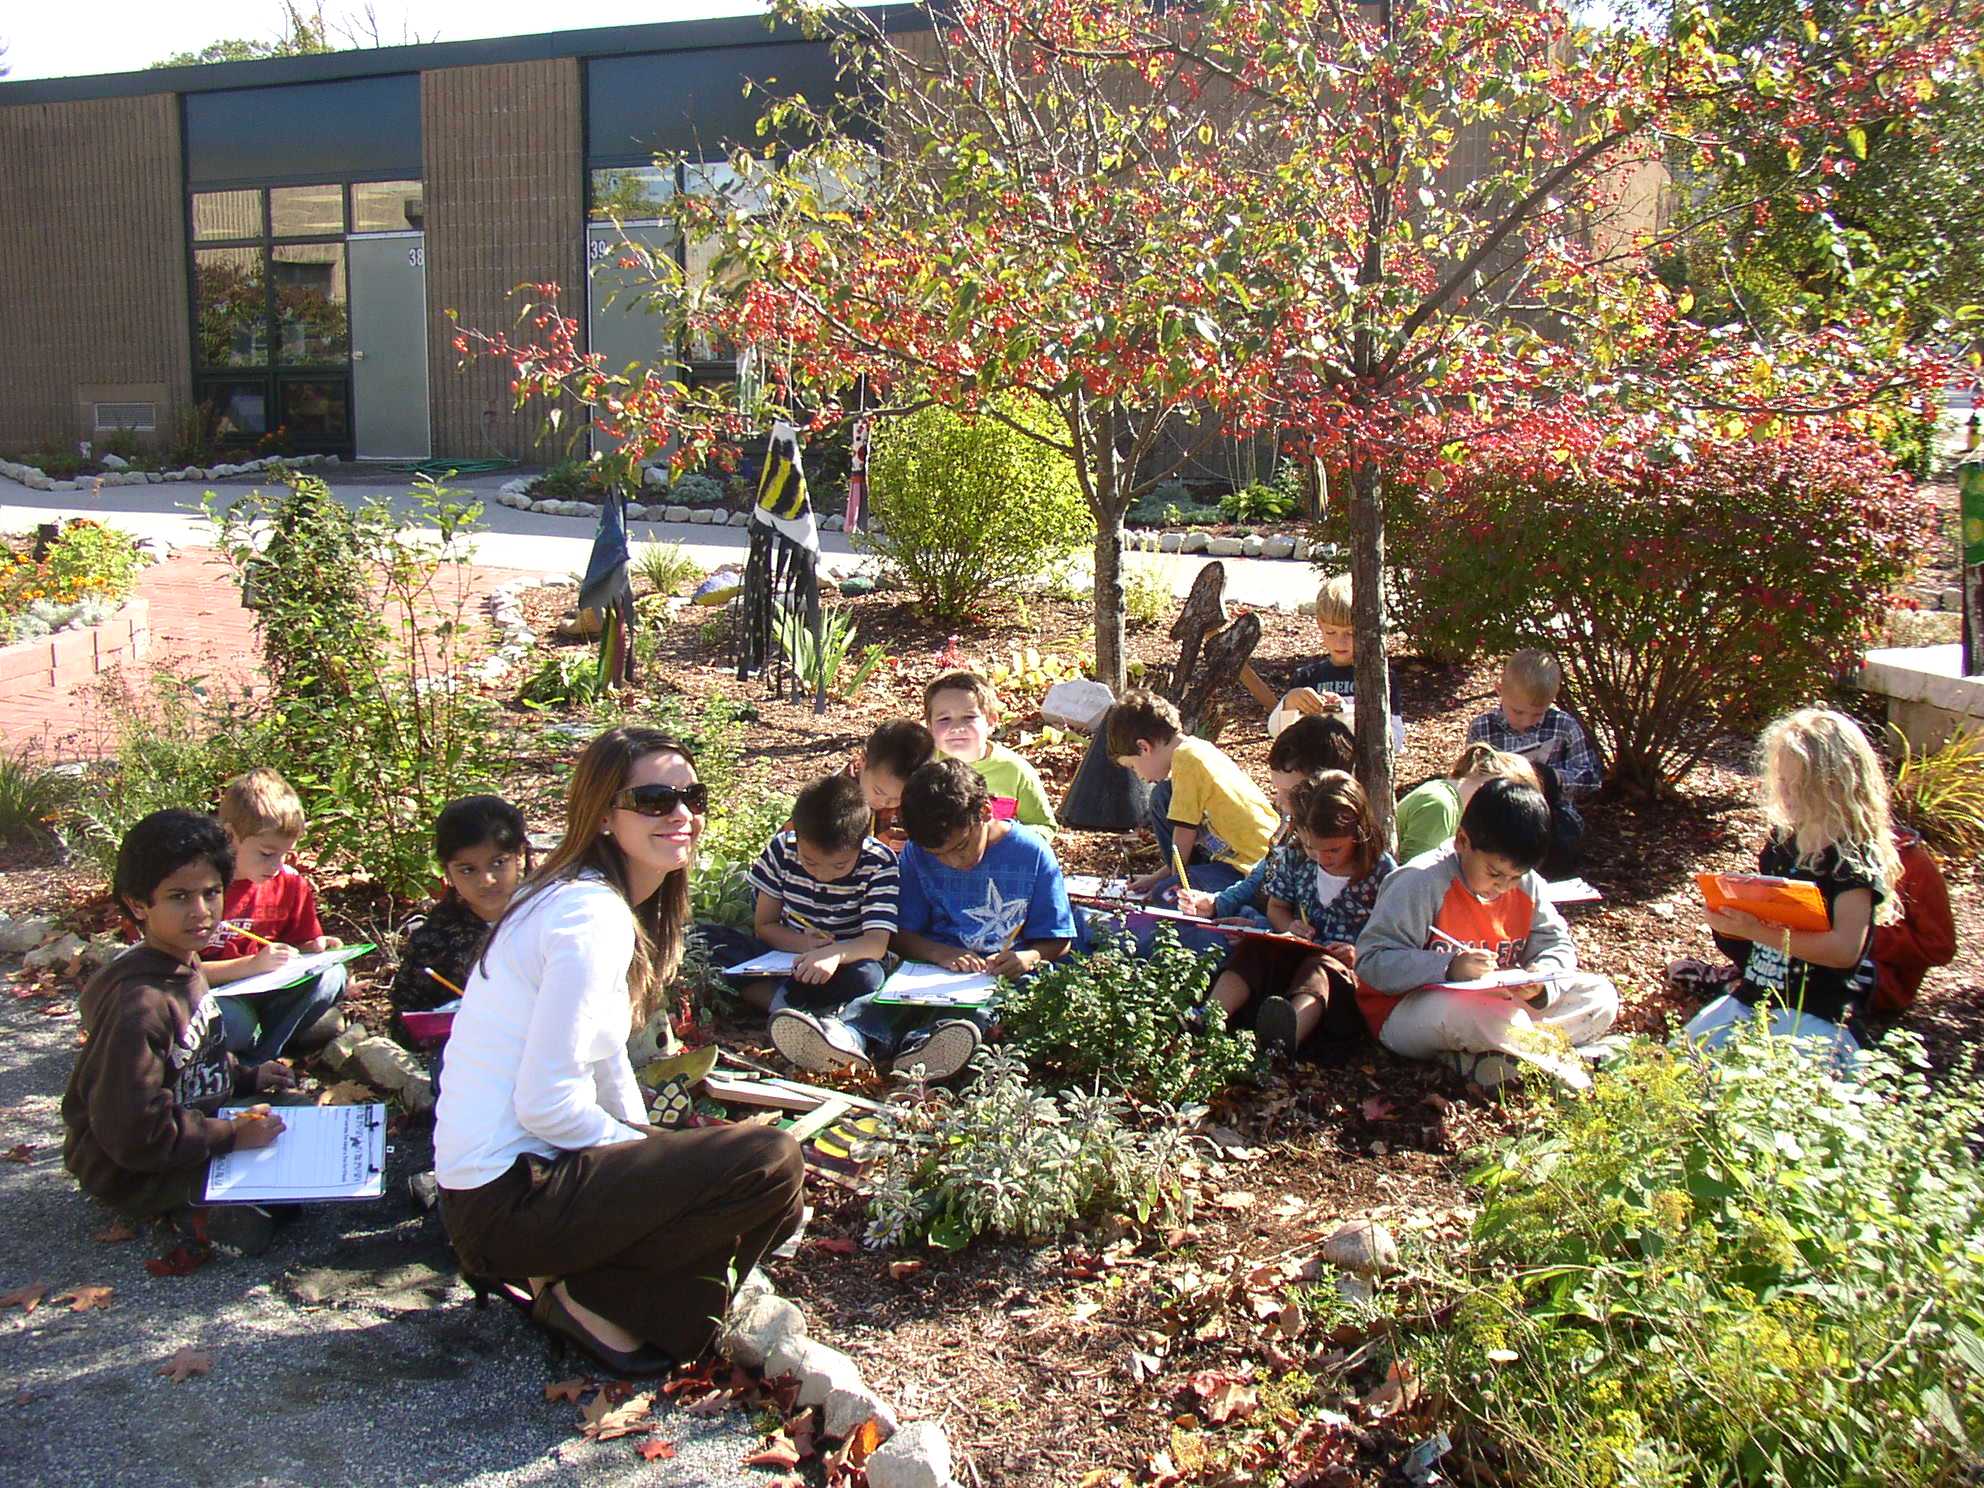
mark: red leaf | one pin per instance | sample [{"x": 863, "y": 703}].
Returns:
[
  {"x": 118, "y": 1231},
  {"x": 84, "y": 1298},
  {"x": 1377, "y": 1108},
  {"x": 183, "y": 1365},
  {"x": 777, "y": 1451},
  {"x": 27, "y": 1298},
  {"x": 567, "y": 1390},
  {"x": 835, "y": 1245},
  {"x": 654, "y": 1450},
  {"x": 903, "y": 1270},
  {"x": 184, "y": 1260},
  {"x": 20, "y": 1154}
]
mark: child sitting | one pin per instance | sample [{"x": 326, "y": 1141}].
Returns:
[
  {"x": 1329, "y": 683},
  {"x": 978, "y": 894},
  {"x": 1203, "y": 806},
  {"x": 962, "y": 710},
  {"x": 154, "y": 1068},
  {"x": 483, "y": 849},
  {"x": 827, "y": 891},
  {"x": 1528, "y": 722},
  {"x": 1308, "y": 745},
  {"x": 1459, "y": 914},
  {"x": 270, "y": 916},
  {"x": 1826, "y": 800},
  {"x": 1321, "y": 887},
  {"x": 1430, "y": 812},
  {"x": 895, "y": 751}
]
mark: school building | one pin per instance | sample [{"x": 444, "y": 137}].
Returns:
[{"x": 279, "y": 242}]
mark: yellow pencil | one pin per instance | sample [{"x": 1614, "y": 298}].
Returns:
[
  {"x": 444, "y": 981},
  {"x": 801, "y": 921},
  {"x": 1013, "y": 939},
  {"x": 244, "y": 930},
  {"x": 1178, "y": 866}
]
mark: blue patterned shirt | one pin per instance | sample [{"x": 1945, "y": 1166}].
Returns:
[
  {"x": 1292, "y": 879},
  {"x": 1557, "y": 741}
]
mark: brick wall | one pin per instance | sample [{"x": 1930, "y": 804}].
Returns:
[
  {"x": 92, "y": 265},
  {"x": 70, "y": 658},
  {"x": 505, "y": 204}
]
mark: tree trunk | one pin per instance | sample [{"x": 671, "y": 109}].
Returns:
[
  {"x": 1110, "y": 667},
  {"x": 1374, "y": 693}
]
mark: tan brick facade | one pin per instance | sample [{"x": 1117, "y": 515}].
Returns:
[
  {"x": 505, "y": 174},
  {"x": 92, "y": 266}
]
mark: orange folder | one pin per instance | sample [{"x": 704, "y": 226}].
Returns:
[{"x": 1790, "y": 902}]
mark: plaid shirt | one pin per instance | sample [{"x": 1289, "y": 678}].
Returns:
[{"x": 1558, "y": 741}]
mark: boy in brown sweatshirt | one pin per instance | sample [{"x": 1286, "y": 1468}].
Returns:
[{"x": 140, "y": 1107}]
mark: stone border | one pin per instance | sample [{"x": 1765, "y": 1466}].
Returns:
[
  {"x": 66, "y": 657},
  {"x": 514, "y": 638},
  {"x": 516, "y": 494},
  {"x": 37, "y": 480}
]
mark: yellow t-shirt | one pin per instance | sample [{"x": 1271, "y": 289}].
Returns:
[{"x": 1236, "y": 821}]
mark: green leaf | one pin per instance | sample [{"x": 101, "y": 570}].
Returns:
[{"x": 1856, "y": 138}]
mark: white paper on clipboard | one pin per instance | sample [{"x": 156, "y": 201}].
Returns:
[{"x": 323, "y": 1152}]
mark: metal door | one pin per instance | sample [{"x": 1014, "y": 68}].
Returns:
[
  {"x": 389, "y": 347},
  {"x": 620, "y": 328}
]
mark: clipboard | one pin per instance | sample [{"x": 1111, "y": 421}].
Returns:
[
  {"x": 919, "y": 984},
  {"x": 1794, "y": 903},
  {"x": 324, "y": 1154},
  {"x": 293, "y": 973}
]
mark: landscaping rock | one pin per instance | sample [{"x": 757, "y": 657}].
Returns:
[
  {"x": 114, "y": 462},
  {"x": 848, "y": 1410},
  {"x": 154, "y": 477},
  {"x": 63, "y": 485},
  {"x": 192, "y": 472},
  {"x": 1224, "y": 547},
  {"x": 102, "y": 950},
  {"x": 1194, "y": 542},
  {"x": 1279, "y": 547},
  {"x": 17, "y": 936},
  {"x": 654, "y": 476},
  {"x": 1171, "y": 542},
  {"x": 702, "y": 517},
  {"x": 56, "y": 955},
  {"x": 1078, "y": 704},
  {"x": 757, "y": 1328},
  {"x": 1363, "y": 1246},
  {"x": 1252, "y": 545},
  {"x": 383, "y": 1063},
  {"x": 833, "y": 524},
  {"x": 676, "y": 514},
  {"x": 917, "y": 1456},
  {"x": 1950, "y": 599},
  {"x": 636, "y": 512},
  {"x": 820, "y": 1370}
]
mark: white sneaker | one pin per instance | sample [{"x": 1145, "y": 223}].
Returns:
[
  {"x": 942, "y": 1052},
  {"x": 812, "y": 1045}
]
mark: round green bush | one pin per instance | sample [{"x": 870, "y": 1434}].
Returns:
[{"x": 696, "y": 490}]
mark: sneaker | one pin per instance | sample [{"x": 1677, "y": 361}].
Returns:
[
  {"x": 1275, "y": 1027},
  {"x": 941, "y": 1052},
  {"x": 236, "y": 1229},
  {"x": 819, "y": 1046}
]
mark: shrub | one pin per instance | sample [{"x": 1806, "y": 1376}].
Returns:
[
  {"x": 1691, "y": 595},
  {"x": 569, "y": 480},
  {"x": 1129, "y": 1020},
  {"x": 1147, "y": 596},
  {"x": 32, "y": 797},
  {"x": 1257, "y": 503},
  {"x": 733, "y": 836},
  {"x": 1003, "y": 1158},
  {"x": 972, "y": 506},
  {"x": 665, "y": 567},
  {"x": 697, "y": 490},
  {"x": 1748, "y": 1272},
  {"x": 1940, "y": 792},
  {"x": 567, "y": 675},
  {"x": 87, "y": 564}
]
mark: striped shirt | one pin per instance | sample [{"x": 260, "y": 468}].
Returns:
[{"x": 864, "y": 900}]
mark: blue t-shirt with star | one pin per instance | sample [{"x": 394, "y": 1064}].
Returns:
[{"x": 1016, "y": 884}]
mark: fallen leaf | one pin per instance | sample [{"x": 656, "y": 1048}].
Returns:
[
  {"x": 183, "y": 1260},
  {"x": 713, "y": 1404},
  {"x": 183, "y": 1365},
  {"x": 777, "y": 1451},
  {"x": 117, "y": 1233},
  {"x": 83, "y": 1298},
  {"x": 1377, "y": 1108},
  {"x": 1398, "y": 1391},
  {"x": 603, "y": 1420},
  {"x": 862, "y": 1444},
  {"x": 568, "y": 1390},
  {"x": 1288, "y": 1206},
  {"x": 903, "y": 1270},
  {"x": 835, "y": 1245},
  {"x": 56, "y": 1010},
  {"x": 20, "y": 1154},
  {"x": 1222, "y": 1397},
  {"x": 347, "y": 1093},
  {"x": 1144, "y": 1366},
  {"x": 27, "y": 1298},
  {"x": 656, "y": 1450},
  {"x": 1237, "y": 1198}
]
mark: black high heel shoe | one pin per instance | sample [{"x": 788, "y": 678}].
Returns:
[
  {"x": 516, "y": 1293},
  {"x": 550, "y": 1313}
]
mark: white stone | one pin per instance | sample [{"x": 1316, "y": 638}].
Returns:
[
  {"x": 114, "y": 462},
  {"x": 548, "y": 508},
  {"x": 1171, "y": 542},
  {"x": 820, "y": 1370},
  {"x": 755, "y": 1330},
  {"x": 654, "y": 475},
  {"x": 1302, "y": 549},
  {"x": 848, "y": 1410},
  {"x": 1363, "y": 1246},
  {"x": 1357, "y": 1290},
  {"x": 1950, "y": 599},
  {"x": 676, "y": 514},
  {"x": 1224, "y": 547},
  {"x": 833, "y": 524},
  {"x": 636, "y": 512},
  {"x": 702, "y": 517},
  {"x": 102, "y": 950},
  {"x": 36, "y": 480},
  {"x": 192, "y": 472},
  {"x": 1078, "y": 704},
  {"x": 1252, "y": 545},
  {"x": 1279, "y": 547},
  {"x": 917, "y": 1456},
  {"x": 1194, "y": 542},
  {"x": 385, "y": 1064},
  {"x": 58, "y": 953},
  {"x": 154, "y": 477},
  {"x": 17, "y": 936},
  {"x": 63, "y": 485}
]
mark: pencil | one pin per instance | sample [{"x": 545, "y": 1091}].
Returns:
[
  {"x": 801, "y": 921},
  {"x": 444, "y": 981},
  {"x": 1013, "y": 939},
  {"x": 1178, "y": 866},
  {"x": 1459, "y": 945},
  {"x": 244, "y": 930}
]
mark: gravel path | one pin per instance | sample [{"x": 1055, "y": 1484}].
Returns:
[{"x": 348, "y": 1354}]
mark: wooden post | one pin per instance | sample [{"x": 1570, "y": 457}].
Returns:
[{"x": 1970, "y": 551}]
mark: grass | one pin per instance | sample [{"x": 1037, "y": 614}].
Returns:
[
  {"x": 665, "y": 567},
  {"x": 1940, "y": 792},
  {"x": 33, "y": 797}
]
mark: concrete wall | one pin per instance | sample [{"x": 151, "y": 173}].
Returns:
[
  {"x": 505, "y": 174},
  {"x": 92, "y": 266}
]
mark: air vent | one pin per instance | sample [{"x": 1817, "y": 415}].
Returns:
[{"x": 137, "y": 418}]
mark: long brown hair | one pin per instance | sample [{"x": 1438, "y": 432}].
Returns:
[
  {"x": 661, "y": 923},
  {"x": 1330, "y": 803}
]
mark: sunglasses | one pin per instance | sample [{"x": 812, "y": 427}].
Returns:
[{"x": 661, "y": 800}]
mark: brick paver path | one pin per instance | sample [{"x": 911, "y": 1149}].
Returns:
[{"x": 198, "y": 627}]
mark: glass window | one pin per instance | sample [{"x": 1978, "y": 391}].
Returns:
[
  {"x": 311, "y": 302},
  {"x": 633, "y": 194},
  {"x": 231, "y": 307},
  {"x": 306, "y": 211},
  {"x": 226, "y": 214},
  {"x": 316, "y": 411},
  {"x": 717, "y": 178},
  {"x": 239, "y": 410},
  {"x": 386, "y": 206}
]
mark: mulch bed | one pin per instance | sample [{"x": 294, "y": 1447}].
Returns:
[{"x": 1087, "y": 1361}]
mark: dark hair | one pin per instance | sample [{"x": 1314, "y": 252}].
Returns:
[
  {"x": 1508, "y": 819},
  {"x": 1139, "y": 718},
  {"x": 941, "y": 800},
  {"x": 832, "y": 814},
  {"x": 902, "y": 746},
  {"x": 1313, "y": 742},
  {"x": 1331, "y": 804},
  {"x": 474, "y": 820},
  {"x": 159, "y": 845}
]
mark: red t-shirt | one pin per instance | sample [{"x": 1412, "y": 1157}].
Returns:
[
  {"x": 282, "y": 909},
  {"x": 1500, "y": 927}
]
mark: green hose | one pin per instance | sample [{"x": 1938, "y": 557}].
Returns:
[{"x": 441, "y": 468}]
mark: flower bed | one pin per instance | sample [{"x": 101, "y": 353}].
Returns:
[{"x": 75, "y": 580}]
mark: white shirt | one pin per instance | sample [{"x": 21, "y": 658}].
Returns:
[
  {"x": 537, "y": 1060},
  {"x": 1328, "y": 886}
]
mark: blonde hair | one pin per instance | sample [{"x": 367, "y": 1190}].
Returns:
[
  {"x": 1536, "y": 673},
  {"x": 661, "y": 922},
  {"x": 1333, "y": 601},
  {"x": 1481, "y": 760},
  {"x": 258, "y": 801},
  {"x": 1823, "y": 787}
]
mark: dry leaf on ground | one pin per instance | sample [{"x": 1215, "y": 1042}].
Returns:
[
  {"x": 83, "y": 1298},
  {"x": 116, "y": 1233},
  {"x": 27, "y": 1298},
  {"x": 656, "y": 1450},
  {"x": 568, "y": 1390},
  {"x": 347, "y": 1093},
  {"x": 603, "y": 1421},
  {"x": 182, "y": 1260},
  {"x": 777, "y": 1451},
  {"x": 183, "y": 1365}
]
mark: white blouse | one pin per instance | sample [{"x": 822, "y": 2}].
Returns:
[{"x": 537, "y": 1059}]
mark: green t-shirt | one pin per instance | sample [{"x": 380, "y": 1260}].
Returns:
[
  {"x": 1427, "y": 818},
  {"x": 1006, "y": 774}
]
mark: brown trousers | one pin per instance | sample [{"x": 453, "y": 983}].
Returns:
[
  {"x": 653, "y": 1235},
  {"x": 1270, "y": 969}
]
